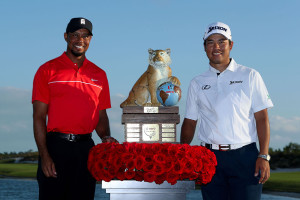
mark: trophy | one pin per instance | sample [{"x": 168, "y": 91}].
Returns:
[{"x": 149, "y": 113}]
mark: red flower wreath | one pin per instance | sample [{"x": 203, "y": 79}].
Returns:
[{"x": 152, "y": 162}]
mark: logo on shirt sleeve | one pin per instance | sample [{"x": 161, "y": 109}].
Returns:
[{"x": 206, "y": 87}]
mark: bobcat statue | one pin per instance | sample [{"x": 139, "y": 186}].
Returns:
[{"x": 157, "y": 73}]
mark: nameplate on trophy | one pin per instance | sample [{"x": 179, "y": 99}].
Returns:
[
  {"x": 150, "y": 109},
  {"x": 150, "y": 132}
]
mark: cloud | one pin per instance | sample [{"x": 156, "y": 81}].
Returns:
[
  {"x": 290, "y": 125},
  {"x": 15, "y": 120},
  {"x": 284, "y": 130}
]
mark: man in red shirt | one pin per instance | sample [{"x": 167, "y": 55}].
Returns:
[{"x": 70, "y": 97}]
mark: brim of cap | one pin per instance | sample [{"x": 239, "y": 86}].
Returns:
[
  {"x": 79, "y": 27},
  {"x": 204, "y": 38}
]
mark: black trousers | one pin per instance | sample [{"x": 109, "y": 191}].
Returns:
[
  {"x": 234, "y": 178},
  {"x": 73, "y": 182}
]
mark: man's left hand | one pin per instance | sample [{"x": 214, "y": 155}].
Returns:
[
  {"x": 264, "y": 167},
  {"x": 109, "y": 139}
]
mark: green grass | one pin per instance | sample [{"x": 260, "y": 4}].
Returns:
[
  {"x": 18, "y": 170},
  {"x": 283, "y": 182}
]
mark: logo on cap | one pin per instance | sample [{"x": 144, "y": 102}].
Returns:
[
  {"x": 82, "y": 21},
  {"x": 216, "y": 27}
]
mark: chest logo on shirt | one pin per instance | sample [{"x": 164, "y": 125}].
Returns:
[
  {"x": 93, "y": 80},
  {"x": 206, "y": 87},
  {"x": 234, "y": 82}
]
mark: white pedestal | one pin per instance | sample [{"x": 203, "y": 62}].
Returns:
[{"x": 134, "y": 190}]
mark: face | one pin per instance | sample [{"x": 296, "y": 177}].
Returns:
[
  {"x": 218, "y": 49},
  {"x": 78, "y": 42}
]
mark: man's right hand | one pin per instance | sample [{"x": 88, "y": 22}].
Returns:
[{"x": 48, "y": 167}]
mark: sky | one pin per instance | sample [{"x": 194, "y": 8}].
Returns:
[{"x": 265, "y": 35}]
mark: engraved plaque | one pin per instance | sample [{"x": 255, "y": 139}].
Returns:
[
  {"x": 168, "y": 130},
  {"x": 167, "y": 125},
  {"x": 132, "y": 125},
  {"x": 168, "y": 134},
  {"x": 150, "y": 109},
  {"x": 133, "y": 139},
  {"x": 133, "y": 135},
  {"x": 168, "y": 140},
  {"x": 137, "y": 130},
  {"x": 150, "y": 132}
]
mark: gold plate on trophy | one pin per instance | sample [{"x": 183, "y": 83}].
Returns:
[
  {"x": 133, "y": 139},
  {"x": 167, "y": 125},
  {"x": 164, "y": 135},
  {"x": 150, "y": 109},
  {"x": 170, "y": 130},
  {"x": 150, "y": 132},
  {"x": 168, "y": 140},
  {"x": 131, "y": 135},
  {"x": 132, "y": 125}
]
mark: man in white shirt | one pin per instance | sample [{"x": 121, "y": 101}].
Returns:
[{"x": 229, "y": 102}]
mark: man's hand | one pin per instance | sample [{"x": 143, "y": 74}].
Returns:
[
  {"x": 109, "y": 139},
  {"x": 264, "y": 167},
  {"x": 48, "y": 167}
]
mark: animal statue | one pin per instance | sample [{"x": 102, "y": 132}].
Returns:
[{"x": 157, "y": 73}]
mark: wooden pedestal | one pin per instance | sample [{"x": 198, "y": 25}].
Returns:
[{"x": 150, "y": 124}]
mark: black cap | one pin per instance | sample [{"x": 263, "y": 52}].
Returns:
[{"x": 79, "y": 23}]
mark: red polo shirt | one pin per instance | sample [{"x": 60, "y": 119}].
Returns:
[{"x": 74, "y": 96}]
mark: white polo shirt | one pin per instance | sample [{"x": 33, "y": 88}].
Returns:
[{"x": 224, "y": 105}]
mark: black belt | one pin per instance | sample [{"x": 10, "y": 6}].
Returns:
[{"x": 71, "y": 137}]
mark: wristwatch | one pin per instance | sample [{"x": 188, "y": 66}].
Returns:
[{"x": 266, "y": 157}]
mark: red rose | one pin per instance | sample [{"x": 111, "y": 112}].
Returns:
[
  {"x": 112, "y": 170},
  {"x": 130, "y": 164},
  {"x": 139, "y": 162},
  {"x": 193, "y": 176},
  {"x": 148, "y": 166},
  {"x": 172, "y": 178},
  {"x": 155, "y": 147},
  {"x": 177, "y": 168},
  {"x": 126, "y": 157},
  {"x": 149, "y": 177},
  {"x": 159, "y": 158},
  {"x": 168, "y": 165},
  {"x": 106, "y": 176},
  {"x": 147, "y": 148},
  {"x": 129, "y": 174},
  {"x": 188, "y": 166},
  {"x": 172, "y": 150},
  {"x": 120, "y": 175},
  {"x": 139, "y": 176},
  {"x": 148, "y": 158},
  {"x": 118, "y": 162},
  {"x": 138, "y": 149},
  {"x": 164, "y": 148},
  {"x": 180, "y": 155},
  {"x": 161, "y": 178},
  {"x": 158, "y": 169}
]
